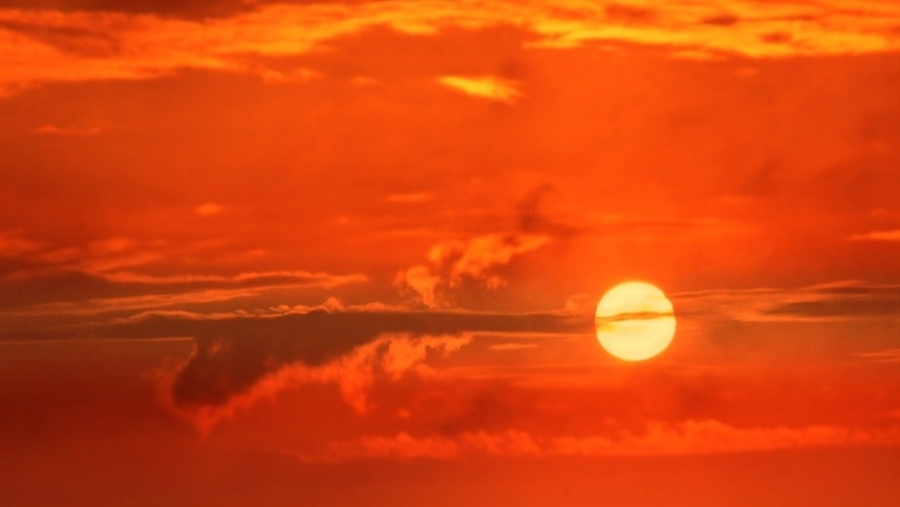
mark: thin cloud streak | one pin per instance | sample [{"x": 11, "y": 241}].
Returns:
[
  {"x": 55, "y": 130},
  {"x": 836, "y": 301},
  {"x": 659, "y": 439},
  {"x": 175, "y": 291},
  {"x": 890, "y": 356},
  {"x": 486, "y": 87},
  {"x": 891, "y": 236}
]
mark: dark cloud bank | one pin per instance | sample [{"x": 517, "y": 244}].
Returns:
[{"x": 233, "y": 354}]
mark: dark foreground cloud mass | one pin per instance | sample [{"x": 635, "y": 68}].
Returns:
[{"x": 234, "y": 354}]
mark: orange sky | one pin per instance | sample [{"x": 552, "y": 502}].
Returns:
[{"x": 313, "y": 253}]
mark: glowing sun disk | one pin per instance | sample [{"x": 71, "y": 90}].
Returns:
[{"x": 635, "y": 321}]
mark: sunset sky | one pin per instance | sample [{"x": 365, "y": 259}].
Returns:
[{"x": 271, "y": 252}]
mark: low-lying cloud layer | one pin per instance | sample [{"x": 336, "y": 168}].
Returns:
[
  {"x": 845, "y": 300},
  {"x": 238, "y": 360},
  {"x": 225, "y": 376},
  {"x": 685, "y": 438}
]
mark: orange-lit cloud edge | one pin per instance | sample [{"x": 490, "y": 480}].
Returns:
[{"x": 47, "y": 46}]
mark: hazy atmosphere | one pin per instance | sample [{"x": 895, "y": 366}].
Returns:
[{"x": 271, "y": 252}]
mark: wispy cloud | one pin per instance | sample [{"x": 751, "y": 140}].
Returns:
[
  {"x": 891, "y": 235},
  {"x": 13, "y": 244},
  {"x": 513, "y": 346},
  {"x": 657, "y": 439},
  {"x": 845, "y": 300},
  {"x": 486, "y": 87},
  {"x": 55, "y": 130},
  {"x": 411, "y": 198},
  {"x": 177, "y": 291},
  {"x": 113, "y": 274},
  {"x": 298, "y": 75},
  {"x": 880, "y": 356},
  {"x": 208, "y": 209},
  {"x": 451, "y": 263}
]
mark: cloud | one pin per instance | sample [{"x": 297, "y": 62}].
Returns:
[
  {"x": 892, "y": 235},
  {"x": 657, "y": 439},
  {"x": 241, "y": 357},
  {"x": 486, "y": 87},
  {"x": 12, "y": 244},
  {"x": 423, "y": 283},
  {"x": 713, "y": 437},
  {"x": 165, "y": 8},
  {"x": 42, "y": 46},
  {"x": 386, "y": 358},
  {"x": 122, "y": 291},
  {"x": 293, "y": 76},
  {"x": 411, "y": 198},
  {"x": 406, "y": 447},
  {"x": 208, "y": 209},
  {"x": 112, "y": 274},
  {"x": 42, "y": 259},
  {"x": 881, "y": 356},
  {"x": 844, "y": 300},
  {"x": 54, "y": 130},
  {"x": 331, "y": 304},
  {"x": 513, "y": 346},
  {"x": 475, "y": 259}
]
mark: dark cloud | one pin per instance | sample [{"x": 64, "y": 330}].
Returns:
[
  {"x": 840, "y": 300},
  {"x": 187, "y": 9},
  {"x": 869, "y": 291},
  {"x": 68, "y": 39},
  {"x": 179, "y": 9},
  {"x": 532, "y": 218},
  {"x": 836, "y": 300},
  {"x": 233, "y": 354},
  {"x": 840, "y": 308}
]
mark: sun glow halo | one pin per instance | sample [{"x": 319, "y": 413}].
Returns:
[{"x": 635, "y": 321}]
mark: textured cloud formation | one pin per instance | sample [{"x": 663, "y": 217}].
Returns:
[
  {"x": 106, "y": 275},
  {"x": 388, "y": 357},
  {"x": 124, "y": 291},
  {"x": 452, "y": 263},
  {"x": 685, "y": 438},
  {"x": 46, "y": 46},
  {"x": 239, "y": 359},
  {"x": 487, "y": 87}
]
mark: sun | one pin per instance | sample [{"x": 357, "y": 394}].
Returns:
[{"x": 635, "y": 321}]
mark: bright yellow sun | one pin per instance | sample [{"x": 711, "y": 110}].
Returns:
[{"x": 635, "y": 321}]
